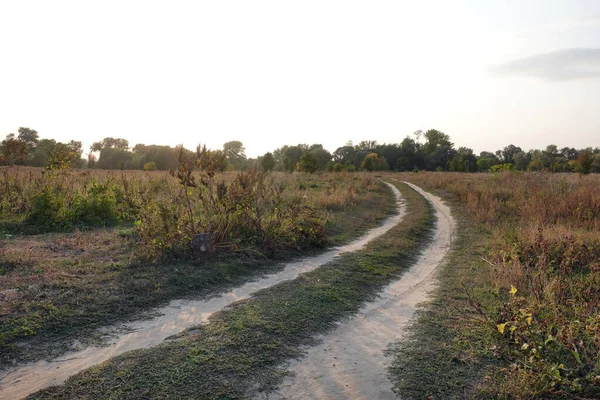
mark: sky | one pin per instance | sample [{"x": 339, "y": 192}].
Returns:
[{"x": 270, "y": 73}]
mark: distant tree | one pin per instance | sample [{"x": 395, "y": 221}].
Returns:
[
  {"x": 372, "y": 162},
  {"x": 235, "y": 153},
  {"x": 585, "y": 161},
  {"x": 321, "y": 155},
  {"x": 278, "y": 156},
  {"x": 359, "y": 156},
  {"x": 391, "y": 152},
  {"x": 521, "y": 160},
  {"x": 13, "y": 150},
  {"x": 596, "y": 163},
  {"x": 435, "y": 140},
  {"x": 64, "y": 156},
  {"x": 438, "y": 150},
  {"x": 39, "y": 157},
  {"x": 111, "y": 143},
  {"x": 307, "y": 163},
  {"x": 344, "y": 154},
  {"x": 410, "y": 155},
  {"x": 291, "y": 156},
  {"x": 537, "y": 160},
  {"x": 507, "y": 153},
  {"x": 91, "y": 160},
  {"x": 268, "y": 162},
  {"x": 486, "y": 161},
  {"x": 29, "y": 136},
  {"x": 569, "y": 153},
  {"x": 113, "y": 158},
  {"x": 464, "y": 161},
  {"x": 150, "y": 166},
  {"x": 366, "y": 145}
]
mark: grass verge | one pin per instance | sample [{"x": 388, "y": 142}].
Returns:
[
  {"x": 447, "y": 350},
  {"x": 55, "y": 288},
  {"x": 242, "y": 349},
  {"x": 523, "y": 323}
]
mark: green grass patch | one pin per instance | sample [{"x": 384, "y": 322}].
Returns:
[{"x": 242, "y": 350}]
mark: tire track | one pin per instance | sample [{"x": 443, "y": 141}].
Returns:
[{"x": 350, "y": 363}]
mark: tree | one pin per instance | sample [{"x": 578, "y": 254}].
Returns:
[
  {"x": 487, "y": 160},
  {"x": 13, "y": 150},
  {"x": 344, "y": 154},
  {"x": 410, "y": 155},
  {"x": 291, "y": 156},
  {"x": 438, "y": 150},
  {"x": 390, "y": 152},
  {"x": 28, "y": 136},
  {"x": 569, "y": 153},
  {"x": 41, "y": 154},
  {"x": 507, "y": 153},
  {"x": 372, "y": 162},
  {"x": 521, "y": 160},
  {"x": 321, "y": 155},
  {"x": 235, "y": 153},
  {"x": 307, "y": 163},
  {"x": 436, "y": 140},
  {"x": 464, "y": 161},
  {"x": 268, "y": 162},
  {"x": 366, "y": 145},
  {"x": 359, "y": 157},
  {"x": 111, "y": 143},
  {"x": 585, "y": 161},
  {"x": 64, "y": 156}
]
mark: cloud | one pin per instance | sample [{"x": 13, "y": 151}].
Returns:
[{"x": 562, "y": 65}]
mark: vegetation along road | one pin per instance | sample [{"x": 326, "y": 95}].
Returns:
[{"x": 242, "y": 350}]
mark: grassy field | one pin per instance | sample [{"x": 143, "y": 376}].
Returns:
[
  {"x": 243, "y": 349},
  {"x": 79, "y": 275},
  {"x": 516, "y": 313}
]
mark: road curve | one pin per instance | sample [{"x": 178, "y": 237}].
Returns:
[{"x": 350, "y": 362}]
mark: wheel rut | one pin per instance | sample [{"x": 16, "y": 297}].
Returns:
[{"x": 350, "y": 363}]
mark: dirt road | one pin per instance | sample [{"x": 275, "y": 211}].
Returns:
[{"x": 350, "y": 363}]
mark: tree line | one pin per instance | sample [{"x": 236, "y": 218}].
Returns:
[{"x": 431, "y": 150}]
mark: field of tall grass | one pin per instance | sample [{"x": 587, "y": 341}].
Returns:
[
  {"x": 80, "y": 249},
  {"x": 544, "y": 278}
]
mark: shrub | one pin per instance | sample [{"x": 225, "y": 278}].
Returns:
[
  {"x": 50, "y": 210},
  {"x": 97, "y": 207},
  {"x": 250, "y": 214},
  {"x": 502, "y": 168},
  {"x": 372, "y": 162},
  {"x": 150, "y": 166},
  {"x": 59, "y": 206}
]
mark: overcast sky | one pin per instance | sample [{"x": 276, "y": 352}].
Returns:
[{"x": 279, "y": 72}]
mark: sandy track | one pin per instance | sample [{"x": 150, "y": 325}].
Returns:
[
  {"x": 177, "y": 316},
  {"x": 350, "y": 363}
]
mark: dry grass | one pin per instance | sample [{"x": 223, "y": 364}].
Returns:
[
  {"x": 546, "y": 234},
  {"x": 59, "y": 285}
]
